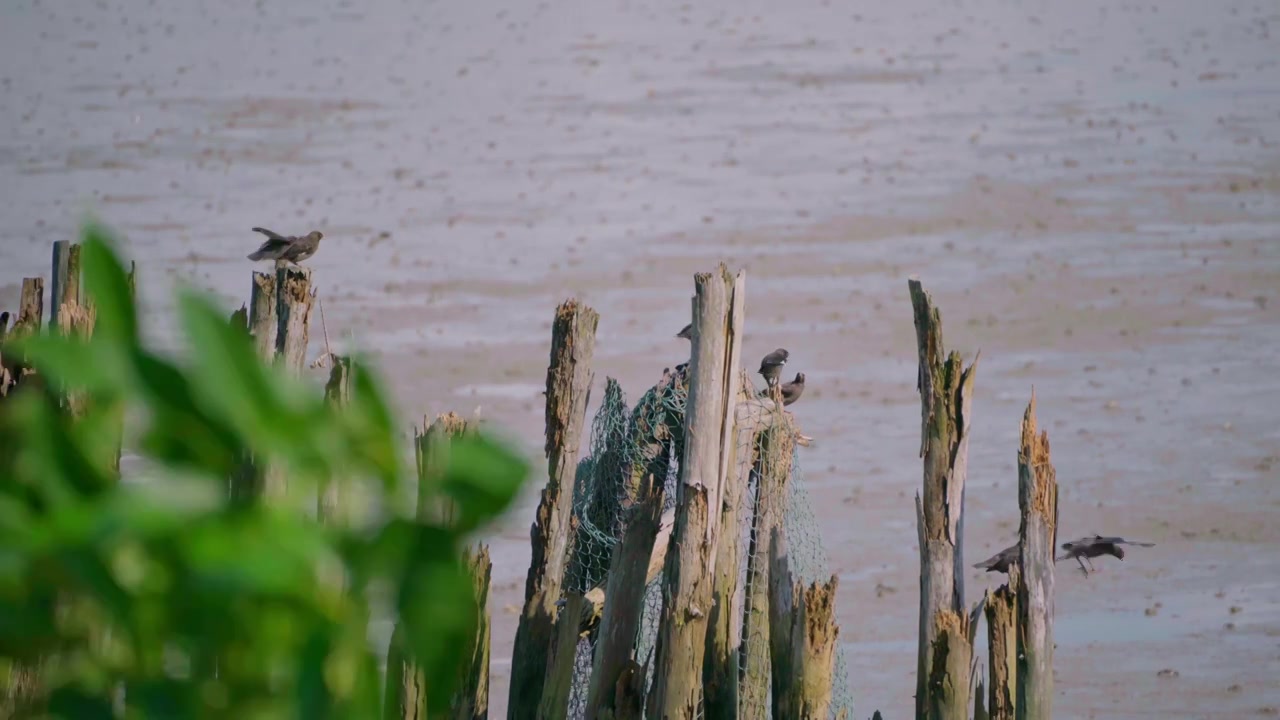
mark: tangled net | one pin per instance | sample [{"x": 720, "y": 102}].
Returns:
[{"x": 626, "y": 449}]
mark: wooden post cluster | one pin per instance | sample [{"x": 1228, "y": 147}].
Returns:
[
  {"x": 946, "y": 395},
  {"x": 569, "y": 378}
]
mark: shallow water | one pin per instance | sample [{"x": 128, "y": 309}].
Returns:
[{"x": 1090, "y": 190}]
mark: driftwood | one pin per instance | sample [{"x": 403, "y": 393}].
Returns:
[
  {"x": 620, "y": 616},
  {"x": 1037, "y": 534},
  {"x": 689, "y": 578},
  {"x": 569, "y": 376},
  {"x": 1002, "y": 649},
  {"x": 946, "y": 392}
]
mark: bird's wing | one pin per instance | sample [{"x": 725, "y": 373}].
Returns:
[
  {"x": 270, "y": 234},
  {"x": 273, "y": 244},
  {"x": 1098, "y": 540}
]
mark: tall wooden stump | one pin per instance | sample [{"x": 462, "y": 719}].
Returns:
[
  {"x": 1038, "y": 500},
  {"x": 689, "y": 577},
  {"x": 471, "y": 700},
  {"x": 946, "y": 395},
  {"x": 569, "y": 375},
  {"x": 294, "y": 300},
  {"x": 263, "y": 323}
]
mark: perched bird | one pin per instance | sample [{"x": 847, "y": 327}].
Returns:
[
  {"x": 771, "y": 365},
  {"x": 686, "y": 333},
  {"x": 1001, "y": 561},
  {"x": 792, "y": 391},
  {"x": 290, "y": 249},
  {"x": 1097, "y": 546}
]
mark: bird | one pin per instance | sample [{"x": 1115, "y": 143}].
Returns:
[
  {"x": 1091, "y": 547},
  {"x": 792, "y": 391},
  {"x": 1001, "y": 561},
  {"x": 291, "y": 249},
  {"x": 686, "y": 333},
  {"x": 771, "y": 365}
]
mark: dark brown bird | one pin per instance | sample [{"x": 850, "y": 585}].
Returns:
[
  {"x": 1087, "y": 548},
  {"x": 686, "y": 333},
  {"x": 290, "y": 249},
  {"x": 792, "y": 391},
  {"x": 771, "y": 366},
  {"x": 1001, "y": 561}
]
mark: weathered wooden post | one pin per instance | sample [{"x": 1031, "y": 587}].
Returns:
[
  {"x": 724, "y": 639},
  {"x": 263, "y": 325},
  {"x": 781, "y": 601},
  {"x": 405, "y": 696},
  {"x": 946, "y": 396},
  {"x": 294, "y": 300},
  {"x": 813, "y": 641},
  {"x": 689, "y": 577},
  {"x": 471, "y": 700},
  {"x": 569, "y": 375},
  {"x": 1002, "y": 648},
  {"x": 773, "y": 473},
  {"x": 1037, "y": 535},
  {"x": 624, "y": 591},
  {"x": 329, "y": 505},
  {"x": 30, "y": 306},
  {"x": 65, "y": 278},
  {"x": 564, "y": 647}
]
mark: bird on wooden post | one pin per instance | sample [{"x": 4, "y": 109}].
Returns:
[
  {"x": 1001, "y": 561},
  {"x": 291, "y": 249},
  {"x": 771, "y": 365},
  {"x": 1087, "y": 548}
]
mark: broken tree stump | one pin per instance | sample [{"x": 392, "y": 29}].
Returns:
[
  {"x": 263, "y": 325},
  {"x": 946, "y": 396},
  {"x": 1037, "y": 535},
  {"x": 1002, "y": 649},
  {"x": 569, "y": 376},
  {"x": 813, "y": 650},
  {"x": 294, "y": 300}
]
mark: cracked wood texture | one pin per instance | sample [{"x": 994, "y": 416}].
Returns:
[
  {"x": 569, "y": 376},
  {"x": 946, "y": 397},
  {"x": 814, "y": 634},
  {"x": 1002, "y": 649},
  {"x": 294, "y": 300},
  {"x": 262, "y": 315},
  {"x": 690, "y": 573},
  {"x": 782, "y": 598},
  {"x": 624, "y": 591},
  {"x": 1038, "y": 500},
  {"x": 65, "y": 279}
]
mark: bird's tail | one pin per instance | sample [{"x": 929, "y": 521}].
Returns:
[{"x": 257, "y": 255}]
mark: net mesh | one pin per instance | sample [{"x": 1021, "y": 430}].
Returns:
[{"x": 628, "y": 446}]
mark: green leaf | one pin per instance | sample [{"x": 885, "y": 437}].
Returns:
[
  {"x": 483, "y": 476},
  {"x": 107, "y": 286},
  {"x": 181, "y": 433},
  {"x": 94, "y": 366},
  {"x": 438, "y": 614}
]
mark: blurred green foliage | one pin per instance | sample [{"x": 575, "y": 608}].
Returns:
[{"x": 157, "y": 596}]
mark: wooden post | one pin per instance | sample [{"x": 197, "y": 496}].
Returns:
[
  {"x": 405, "y": 696},
  {"x": 777, "y": 447},
  {"x": 65, "y": 278},
  {"x": 781, "y": 601},
  {"x": 329, "y": 504},
  {"x": 724, "y": 639},
  {"x": 471, "y": 700},
  {"x": 813, "y": 641},
  {"x": 1002, "y": 649},
  {"x": 30, "y": 306},
  {"x": 689, "y": 577},
  {"x": 294, "y": 300},
  {"x": 564, "y": 649},
  {"x": 624, "y": 590},
  {"x": 946, "y": 394},
  {"x": 263, "y": 325},
  {"x": 1037, "y": 535},
  {"x": 569, "y": 375}
]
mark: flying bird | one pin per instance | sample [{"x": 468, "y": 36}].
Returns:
[
  {"x": 771, "y": 365},
  {"x": 1001, "y": 561},
  {"x": 792, "y": 391},
  {"x": 290, "y": 249},
  {"x": 1087, "y": 548}
]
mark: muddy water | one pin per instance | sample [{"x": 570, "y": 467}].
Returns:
[{"x": 1091, "y": 190}]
